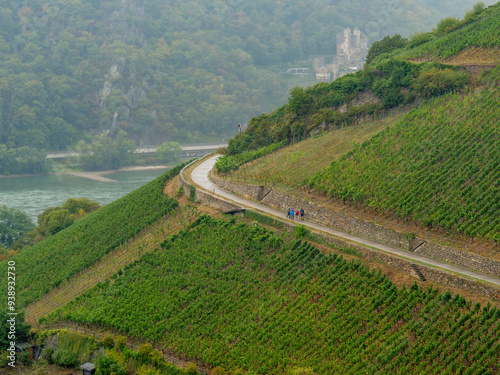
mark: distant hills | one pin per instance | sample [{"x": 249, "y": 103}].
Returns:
[{"x": 168, "y": 70}]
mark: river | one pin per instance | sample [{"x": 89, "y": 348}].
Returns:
[{"x": 34, "y": 194}]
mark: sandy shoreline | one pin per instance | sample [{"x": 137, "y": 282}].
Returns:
[{"x": 97, "y": 176}]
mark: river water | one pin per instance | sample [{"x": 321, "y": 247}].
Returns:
[{"x": 34, "y": 194}]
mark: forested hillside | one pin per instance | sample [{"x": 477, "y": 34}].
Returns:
[{"x": 184, "y": 71}]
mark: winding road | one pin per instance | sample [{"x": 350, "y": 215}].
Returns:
[{"x": 200, "y": 176}]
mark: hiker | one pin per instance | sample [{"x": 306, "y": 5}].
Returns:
[
  {"x": 239, "y": 128},
  {"x": 288, "y": 214},
  {"x": 302, "y": 213},
  {"x": 297, "y": 214},
  {"x": 292, "y": 214}
]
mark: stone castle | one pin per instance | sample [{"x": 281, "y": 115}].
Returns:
[{"x": 352, "y": 48}]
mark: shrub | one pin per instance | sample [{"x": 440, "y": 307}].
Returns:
[
  {"x": 439, "y": 81},
  {"x": 419, "y": 38},
  {"x": 120, "y": 341},
  {"x": 108, "y": 341},
  {"x": 301, "y": 231},
  {"x": 218, "y": 371},
  {"x": 192, "y": 193},
  {"x": 446, "y": 25},
  {"x": 24, "y": 358},
  {"x": 191, "y": 369},
  {"x": 65, "y": 358},
  {"x": 145, "y": 350}
]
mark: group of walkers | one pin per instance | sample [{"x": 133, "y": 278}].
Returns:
[{"x": 294, "y": 214}]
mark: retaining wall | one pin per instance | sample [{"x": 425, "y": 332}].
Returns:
[
  {"x": 282, "y": 201},
  {"x": 202, "y": 196},
  {"x": 430, "y": 274}
]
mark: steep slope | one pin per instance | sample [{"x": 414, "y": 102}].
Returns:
[
  {"x": 481, "y": 32},
  {"x": 163, "y": 70},
  {"x": 438, "y": 166},
  {"x": 238, "y": 296},
  {"x": 47, "y": 264},
  {"x": 422, "y": 69}
]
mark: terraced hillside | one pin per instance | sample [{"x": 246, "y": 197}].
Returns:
[
  {"x": 240, "y": 296},
  {"x": 396, "y": 76},
  {"x": 436, "y": 167},
  {"x": 47, "y": 264},
  {"x": 439, "y": 165},
  {"x": 482, "y": 30}
]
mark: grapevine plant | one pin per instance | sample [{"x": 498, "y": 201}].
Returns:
[
  {"x": 439, "y": 166},
  {"x": 238, "y": 296},
  {"x": 48, "y": 263}
]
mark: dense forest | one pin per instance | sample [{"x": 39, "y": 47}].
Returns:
[{"x": 163, "y": 71}]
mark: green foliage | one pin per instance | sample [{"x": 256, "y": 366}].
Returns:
[
  {"x": 105, "y": 153},
  {"x": 299, "y": 101},
  {"x": 108, "y": 342},
  {"x": 164, "y": 70},
  {"x": 21, "y": 328},
  {"x": 149, "y": 370},
  {"x": 446, "y": 25},
  {"x": 169, "y": 152},
  {"x": 191, "y": 369},
  {"x": 301, "y": 231},
  {"x": 218, "y": 371},
  {"x": 321, "y": 104},
  {"x": 495, "y": 75},
  {"x": 66, "y": 358},
  {"x": 481, "y": 28},
  {"x": 238, "y": 144},
  {"x": 13, "y": 224},
  {"x": 302, "y": 371},
  {"x": 21, "y": 160},
  {"x": 420, "y": 38},
  {"x": 385, "y": 46},
  {"x": 477, "y": 9},
  {"x": 24, "y": 358},
  {"x": 264, "y": 219},
  {"x": 192, "y": 193},
  {"x": 55, "y": 219},
  {"x": 46, "y": 264},
  {"x": 438, "y": 166},
  {"x": 223, "y": 293},
  {"x": 107, "y": 365},
  {"x": 434, "y": 82},
  {"x": 228, "y": 163}
]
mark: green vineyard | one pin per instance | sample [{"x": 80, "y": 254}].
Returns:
[
  {"x": 439, "y": 165},
  {"x": 45, "y": 265},
  {"x": 483, "y": 31},
  {"x": 242, "y": 297}
]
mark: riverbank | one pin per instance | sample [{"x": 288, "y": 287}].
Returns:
[{"x": 96, "y": 176}]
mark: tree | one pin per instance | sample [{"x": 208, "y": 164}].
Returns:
[
  {"x": 13, "y": 224},
  {"x": 106, "y": 153},
  {"x": 169, "y": 152},
  {"x": 386, "y": 45},
  {"x": 298, "y": 102},
  {"x": 55, "y": 219},
  {"x": 21, "y": 332}
]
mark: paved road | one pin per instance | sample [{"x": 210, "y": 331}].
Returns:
[
  {"x": 200, "y": 177},
  {"x": 65, "y": 154}
]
